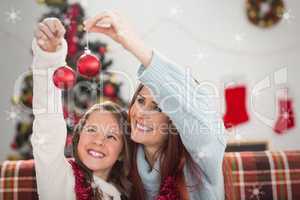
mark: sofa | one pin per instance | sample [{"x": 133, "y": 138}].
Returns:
[{"x": 262, "y": 175}]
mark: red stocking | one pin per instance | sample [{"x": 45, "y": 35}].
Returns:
[
  {"x": 286, "y": 118},
  {"x": 236, "y": 112}
]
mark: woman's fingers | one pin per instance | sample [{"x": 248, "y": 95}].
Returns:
[
  {"x": 89, "y": 23},
  {"x": 113, "y": 25},
  {"x": 104, "y": 23},
  {"x": 105, "y": 20},
  {"x": 106, "y": 31}
]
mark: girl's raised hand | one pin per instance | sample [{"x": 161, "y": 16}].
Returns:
[{"x": 49, "y": 34}]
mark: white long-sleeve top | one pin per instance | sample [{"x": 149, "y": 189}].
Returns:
[{"x": 54, "y": 174}]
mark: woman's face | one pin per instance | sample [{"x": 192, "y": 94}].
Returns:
[
  {"x": 100, "y": 142},
  {"x": 149, "y": 126}
]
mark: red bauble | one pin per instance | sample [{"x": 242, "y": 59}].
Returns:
[
  {"x": 74, "y": 11},
  {"x": 69, "y": 140},
  {"x": 64, "y": 77},
  {"x": 102, "y": 50},
  {"x": 65, "y": 112},
  {"x": 109, "y": 90},
  {"x": 88, "y": 65},
  {"x": 14, "y": 145}
]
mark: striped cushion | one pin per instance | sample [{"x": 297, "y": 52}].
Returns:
[
  {"x": 263, "y": 175},
  {"x": 18, "y": 180},
  {"x": 248, "y": 176}
]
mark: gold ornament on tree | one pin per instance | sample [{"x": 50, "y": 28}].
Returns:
[{"x": 51, "y": 2}]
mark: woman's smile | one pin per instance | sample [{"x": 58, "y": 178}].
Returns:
[{"x": 142, "y": 127}]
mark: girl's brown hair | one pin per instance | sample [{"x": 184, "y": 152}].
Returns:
[
  {"x": 120, "y": 170},
  {"x": 173, "y": 157}
]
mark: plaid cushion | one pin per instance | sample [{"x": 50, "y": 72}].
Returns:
[
  {"x": 262, "y": 175},
  {"x": 247, "y": 175},
  {"x": 18, "y": 180}
]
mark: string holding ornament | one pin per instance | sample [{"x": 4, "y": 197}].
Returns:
[{"x": 88, "y": 64}]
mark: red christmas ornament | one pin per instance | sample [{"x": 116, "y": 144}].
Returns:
[
  {"x": 109, "y": 90},
  {"x": 65, "y": 112},
  {"x": 286, "y": 119},
  {"x": 71, "y": 35},
  {"x": 102, "y": 50},
  {"x": 236, "y": 112},
  {"x": 88, "y": 65},
  {"x": 168, "y": 190},
  {"x": 74, "y": 11},
  {"x": 64, "y": 77},
  {"x": 29, "y": 100},
  {"x": 13, "y": 145},
  {"x": 69, "y": 140}
]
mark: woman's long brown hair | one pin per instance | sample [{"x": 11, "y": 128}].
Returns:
[
  {"x": 173, "y": 157},
  {"x": 120, "y": 170}
]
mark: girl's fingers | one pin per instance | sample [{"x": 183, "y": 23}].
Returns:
[
  {"x": 37, "y": 34},
  {"x": 40, "y": 35},
  {"x": 61, "y": 29},
  {"x": 44, "y": 29},
  {"x": 51, "y": 26},
  {"x": 42, "y": 40},
  {"x": 42, "y": 43}
]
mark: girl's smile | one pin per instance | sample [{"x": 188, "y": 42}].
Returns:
[{"x": 100, "y": 142}]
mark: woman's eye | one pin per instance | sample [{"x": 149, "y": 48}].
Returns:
[
  {"x": 157, "y": 109},
  {"x": 140, "y": 100}
]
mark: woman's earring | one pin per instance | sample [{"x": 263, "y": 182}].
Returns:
[{"x": 120, "y": 158}]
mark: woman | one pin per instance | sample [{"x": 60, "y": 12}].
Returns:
[{"x": 179, "y": 136}]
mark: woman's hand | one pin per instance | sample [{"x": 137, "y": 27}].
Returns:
[
  {"x": 117, "y": 28},
  {"x": 49, "y": 34}
]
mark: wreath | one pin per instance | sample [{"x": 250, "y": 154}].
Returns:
[{"x": 265, "y": 13}]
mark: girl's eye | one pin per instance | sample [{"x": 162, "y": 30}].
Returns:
[
  {"x": 111, "y": 137},
  {"x": 91, "y": 130}
]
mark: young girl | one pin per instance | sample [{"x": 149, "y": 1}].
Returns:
[
  {"x": 101, "y": 150},
  {"x": 179, "y": 136}
]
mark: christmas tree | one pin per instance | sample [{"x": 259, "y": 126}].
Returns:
[{"x": 77, "y": 100}]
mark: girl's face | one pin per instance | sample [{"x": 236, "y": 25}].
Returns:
[
  {"x": 100, "y": 143},
  {"x": 149, "y": 126}
]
